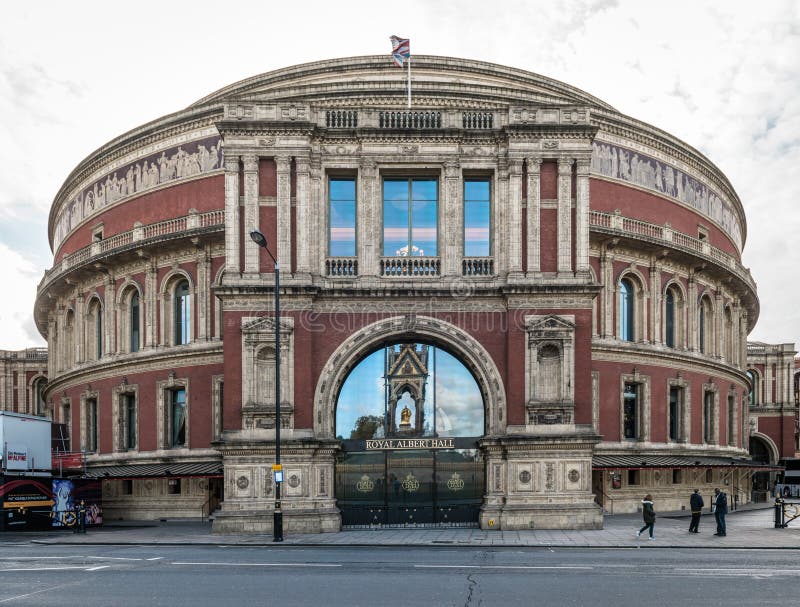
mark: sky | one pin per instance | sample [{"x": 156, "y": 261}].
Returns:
[{"x": 723, "y": 76}]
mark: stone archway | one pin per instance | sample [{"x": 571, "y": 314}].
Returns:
[{"x": 409, "y": 328}]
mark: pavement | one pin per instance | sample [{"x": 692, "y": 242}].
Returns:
[{"x": 752, "y": 526}]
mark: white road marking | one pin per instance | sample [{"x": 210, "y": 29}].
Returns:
[
  {"x": 39, "y": 558},
  {"x": 64, "y": 568},
  {"x": 261, "y": 564},
  {"x": 98, "y": 568},
  {"x": 502, "y": 567},
  {"x": 22, "y": 596},
  {"x": 155, "y": 558},
  {"x": 113, "y": 558}
]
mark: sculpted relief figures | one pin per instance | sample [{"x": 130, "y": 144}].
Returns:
[
  {"x": 188, "y": 160},
  {"x": 627, "y": 165}
]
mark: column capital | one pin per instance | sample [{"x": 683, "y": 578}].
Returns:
[
  {"x": 515, "y": 166},
  {"x": 583, "y": 166},
  {"x": 565, "y": 166},
  {"x": 250, "y": 163},
  {"x": 283, "y": 163},
  {"x": 302, "y": 164},
  {"x": 231, "y": 163},
  {"x": 534, "y": 164},
  {"x": 452, "y": 169}
]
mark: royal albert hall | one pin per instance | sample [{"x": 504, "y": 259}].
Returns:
[{"x": 509, "y": 306}]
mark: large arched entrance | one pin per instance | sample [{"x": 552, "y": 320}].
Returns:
[
  {"x": 763, "y": 452},
  {"x": 409, "y": 416}
]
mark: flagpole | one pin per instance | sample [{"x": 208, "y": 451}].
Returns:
[{"x": 409, "y": 82}]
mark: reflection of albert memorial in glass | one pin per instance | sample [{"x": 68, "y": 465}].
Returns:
[{"x": 406, "y": 378}]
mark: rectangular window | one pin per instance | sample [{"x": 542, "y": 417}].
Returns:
[
  {"x": 127, "y": 487},
  {"x": 410, "y": 217},
  {"x": 178, "y": 417},
  {"x": 129, "y": 417},
  {"x": 91, "y": 425},
  {"x": 708, "y": 412},
  {"x": 477, "y": 217},
  {"x": 174, "y": 486},
  {"x": 342, "y": 214},
  {"x": 630, "y": 411},
  {"x": 633, "y": 477},
  {"x": 674, "y": 413},
  {"x": 709, "y": 475},
  {"x": 676, "y": 476}
]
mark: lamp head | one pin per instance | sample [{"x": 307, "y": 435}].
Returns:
[{"x": 258, "y": 238}]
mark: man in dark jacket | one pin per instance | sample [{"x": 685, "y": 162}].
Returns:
[
  {"x": 720, "y": 510},
  {"x": 696, "y": 504}
]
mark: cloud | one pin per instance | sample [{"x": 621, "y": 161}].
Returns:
[{"x": 19, "y": 278}]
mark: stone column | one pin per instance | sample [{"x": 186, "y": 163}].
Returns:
[
  {"x": 564, "y": 215},
  {"x": 452, "y": 229},
  {"x": 55, "y": 341},
  {"x": 607, "y": 296},
  {"x": 514, "y": 218},
  {"x": 691, "y": 303},
  {"x": 80, "y": 338},
  {"x": 302, "y": 206},
  {"x": 251, "y": 253},
  {"x": 719, "y": 324},
  {"x": 743, "y": 337},
  {"x": 151, "y": 304},
  {"x": 232, "y": 261},
  {"x": 368, "y": 223},
  {"x": 534, "y": 215},
  {"x": 582, "y": 217},
  {"x": 284, "y": 226}
]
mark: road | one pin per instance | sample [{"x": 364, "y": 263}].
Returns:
[{"x": 46, "y": 575}]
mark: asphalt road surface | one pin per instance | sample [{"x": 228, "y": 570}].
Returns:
[{"x": 61, "y": 576}]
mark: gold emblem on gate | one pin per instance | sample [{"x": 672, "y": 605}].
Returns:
[
  {"x": 365, "y": 485},
  {"x": 455, "y": 482},
  {"x": 410, "y": 483}
]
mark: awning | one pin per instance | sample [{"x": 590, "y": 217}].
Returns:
[
  {"x": 641, "y": 462},
  {"x": 170, "y": 470}
]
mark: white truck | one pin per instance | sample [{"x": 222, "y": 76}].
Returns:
[{"x": 26, "y": 445}]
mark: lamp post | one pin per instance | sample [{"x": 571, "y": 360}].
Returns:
[{"x": 277, "y": 516}]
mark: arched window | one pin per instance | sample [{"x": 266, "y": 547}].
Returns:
[
  {"x": 39, "y": 407},
  {"x": 626, "y": 316},
  {"x": 182, "y": 313},
  {"x": 99, "y": 332},
  {"x": 133, "y": 320},
  {"x": 669, "y": 319}
]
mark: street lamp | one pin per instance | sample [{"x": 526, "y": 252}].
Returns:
[{"x": 277, "y": 516}]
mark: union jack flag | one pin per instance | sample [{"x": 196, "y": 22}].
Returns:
[{"x": 401, "y": 49}]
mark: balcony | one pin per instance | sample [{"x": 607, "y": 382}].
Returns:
[
  {"x": 410, "y": 267},
  {"x": 341, "y": 267},
  {"x": 477, "y": 266}
]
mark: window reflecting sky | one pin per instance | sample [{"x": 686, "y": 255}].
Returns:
[
  {"x": 476, "y": 218},
  {"x": 450, "y": 389},
  {"x": 410, "y": 217},
  {"x": 342, "y": 237}
]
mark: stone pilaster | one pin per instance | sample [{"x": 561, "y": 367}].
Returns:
[
  {"x": 656, "y": 336},
  {"x": 500, "y": 240},
  {"x": 534, "y": 215},
  {"x": 719, "y": 325},
  {"x": 204, "y": 294},
  {"x": 514, "y": 218},
  {"x": 80, "y": 340},
  {"x": 368, "y": 223},
  {"x": 564, "y": 215},
  {"x": 607, "y": 295},
  {"x": 232, "y": 245},
  {"x": 452, "y": 220},
  {"x": 317, "y": 217},
  {"x": 109, "y": 309},
  {"x": 284, "y": 228},
  {"x": 692, "y": 313},
  {"x": 251, "y": 219},
  {"x": 55, "y": 340},
  {"x": 302, "y": 206},
  {"x": 582, "y": 217},
  {"x": 151, "y": 304}
]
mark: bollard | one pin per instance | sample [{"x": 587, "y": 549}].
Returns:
[{"x": 779, "y": 521}]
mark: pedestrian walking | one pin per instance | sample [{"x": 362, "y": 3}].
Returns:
[
  {"x": 649, "y": 516},
  {"x": 696, "y": 504},
  {"x": 720, "y": 510},
  {"x": 82, "y": 517}
]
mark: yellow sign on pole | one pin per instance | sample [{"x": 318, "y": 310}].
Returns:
[{"x": 277, "y": 467}]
